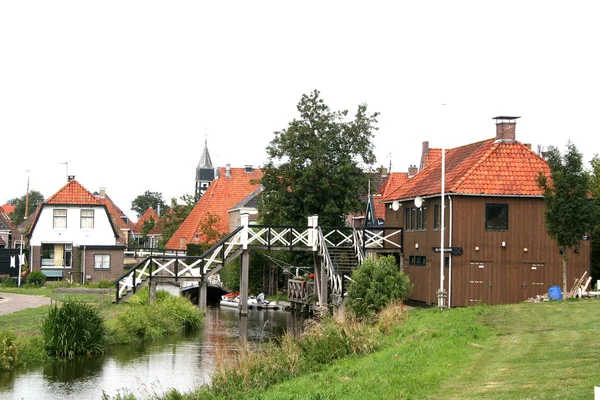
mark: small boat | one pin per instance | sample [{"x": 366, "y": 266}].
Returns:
[{"x": 259, "y": 302}]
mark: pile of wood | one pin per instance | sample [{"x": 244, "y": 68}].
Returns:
[{"x": 580, "y": 287}]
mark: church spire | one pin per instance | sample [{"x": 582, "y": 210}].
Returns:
[{"x": 205, "y": 172}]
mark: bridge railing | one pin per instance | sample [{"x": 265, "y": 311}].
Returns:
[
  {"x": 272, "y": 236},
  {"x": 300, "y": 291}
]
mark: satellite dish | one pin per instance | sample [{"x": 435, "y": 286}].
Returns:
[
  {"x": 396, "y": 205},
  {"x": 418, "y": 201}
]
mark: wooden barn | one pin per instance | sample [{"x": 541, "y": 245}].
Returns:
[{"x": 494, "y": 232}]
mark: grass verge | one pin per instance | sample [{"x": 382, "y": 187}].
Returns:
[{"x": 523, "y": 351}]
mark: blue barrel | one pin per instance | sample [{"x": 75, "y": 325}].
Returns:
[{"x": 554, "y": 292}]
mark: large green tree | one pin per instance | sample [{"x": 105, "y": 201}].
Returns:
[
  {"x": 316, "y": 165},
  {"x": 570, "y": 212},
  {"x": 149, "y": 199},
  {"x": 18, "y": 215}
]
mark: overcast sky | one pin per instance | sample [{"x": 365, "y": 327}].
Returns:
[{"x": 127, "y": 91}]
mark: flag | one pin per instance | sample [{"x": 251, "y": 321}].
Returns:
[
  {"x": 21, "y": 260},
  {"x": 132, "y": 235},
  {"x": 12, "y": 262}
]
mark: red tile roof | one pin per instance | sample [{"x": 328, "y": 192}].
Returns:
[
  {"x": 73, "y": 193},
  {"x": 148, "y": 214},
  {"x": 487, "y": 167},
  {"x": 430, "y": 158},
  {"x": 393, "y": 181},
  {"x": 8, "y": 208},
  {"x": 221, "y": 196}
]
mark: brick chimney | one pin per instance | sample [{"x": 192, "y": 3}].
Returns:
[
  {"x": 227, "y": 170},
  {"x": 412, "y": 170},
  {"x": 102, "y": 192},
  {"x": 505, "y": 128}
]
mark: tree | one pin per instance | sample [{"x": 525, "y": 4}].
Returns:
[
  {"x": 171, "y": 219},
  {"x": 149, "y": 199},
  {"x": 316, "y": 165},
  {"x": 595, "y": 188},
  {"x": 570, "y": 213},
  {"x": 18, "y": 215},
  {"x": 376, "y": 284}
]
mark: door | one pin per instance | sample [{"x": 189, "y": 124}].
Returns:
[
  {"x": 480, "y": 283},
  {"x": 532, "y": 280}
]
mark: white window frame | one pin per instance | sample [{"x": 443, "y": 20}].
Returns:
[
  {"x": 101, "y": 261},
  {"x": 58, "y": 219},
  {"x": 86, "y": 221}
]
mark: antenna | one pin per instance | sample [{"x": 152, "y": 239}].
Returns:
[{"x": 67, "y": 164}]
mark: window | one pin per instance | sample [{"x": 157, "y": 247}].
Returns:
[
  {"x": 420, "y": 261},
  {"x": 57, "y": 255},
  {"x": 102, "y": 261},
  {"x": 496, "y": 216},
  {"x": 87, "y": 219},
  {"x": 436, "y": 216},
  {"x": 60, "y": 219},
  {"x": 421, "y": 220}
]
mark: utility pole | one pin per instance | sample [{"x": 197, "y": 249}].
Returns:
[{"x": 27, "y": 198}]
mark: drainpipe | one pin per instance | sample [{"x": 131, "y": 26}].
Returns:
[
  {"x": 450, "y": 258},
  {"x": 83, "y": 267}
]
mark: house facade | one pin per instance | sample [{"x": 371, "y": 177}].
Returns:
[
  {"x": 497, "y": 249},
  {"x": 73, "y": 236}
]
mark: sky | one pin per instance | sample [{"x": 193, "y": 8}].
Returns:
[{"x": 126, "y": 92}]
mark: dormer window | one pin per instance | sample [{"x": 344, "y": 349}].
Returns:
[{"x": 60, "y": 219}]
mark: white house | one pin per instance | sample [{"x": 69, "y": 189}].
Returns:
[{"x": 73, "y": 237}]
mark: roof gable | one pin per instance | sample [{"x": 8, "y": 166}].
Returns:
[
  {"x": 73, "y": 193},
  {"x": 148, "y": 215}
]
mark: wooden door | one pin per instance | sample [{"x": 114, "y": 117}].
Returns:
[
  {"x": 480, "y": 284},
  {"x": 532, "y": 280}
]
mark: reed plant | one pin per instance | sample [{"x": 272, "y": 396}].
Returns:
[
  {"x": 144, "y": 322},
  {"x": 8, "y": 350},
  {"x": 75, "y": 328}
]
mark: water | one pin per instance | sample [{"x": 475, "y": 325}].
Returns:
[{"x": 183, "y": 362}]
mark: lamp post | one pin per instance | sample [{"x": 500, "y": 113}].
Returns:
[{"x": 441, "y": 292}]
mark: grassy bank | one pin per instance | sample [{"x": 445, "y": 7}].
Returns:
[
  {"x": 21, "y": 342},
  {"x": 523, "y": 351}
]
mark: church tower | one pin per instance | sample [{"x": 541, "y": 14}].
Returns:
[{"x": 205, "y": 173}]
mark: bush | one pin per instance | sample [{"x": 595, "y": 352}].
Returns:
[
  {"x": 103, "y": 284},
  {"x": 376, "y": 284},
  {"x": 37, "y": 278},
  {"x": 74, "y": 329}
]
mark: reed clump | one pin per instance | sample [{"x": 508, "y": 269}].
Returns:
[
  {"x": 73, "y": 329},
  {"x": 144, "y": 322},
  {"x": 321, "y": 343}
]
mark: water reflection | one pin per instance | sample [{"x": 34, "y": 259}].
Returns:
[{"x": 182, "y": 361}]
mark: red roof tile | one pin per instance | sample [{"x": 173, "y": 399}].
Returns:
[
  {"x": 221, "y": 196},
  {"x": 487, "y": 167},
  {"x": 433, "y": 155},
  {"x": 8, "y": 208},
  {"x": 148, "y": 214},
  {"x": 73, "y": 193}
]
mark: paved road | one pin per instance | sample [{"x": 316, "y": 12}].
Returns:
[{"x": 10, "y": 302}]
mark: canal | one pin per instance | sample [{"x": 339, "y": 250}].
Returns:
[{"x": 183, "y": 361}]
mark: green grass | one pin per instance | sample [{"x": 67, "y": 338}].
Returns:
[
  {"x": 47, "y": 291},
  {"x": 523, "y": 351}
]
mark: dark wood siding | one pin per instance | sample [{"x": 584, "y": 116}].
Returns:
[{"x": 488, "y": 272}]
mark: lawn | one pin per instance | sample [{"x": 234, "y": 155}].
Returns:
[{"x": 524, "y": 351}]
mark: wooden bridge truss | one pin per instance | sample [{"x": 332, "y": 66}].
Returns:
[{"x": 312, "y": 238}]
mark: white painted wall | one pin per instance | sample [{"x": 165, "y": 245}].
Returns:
[{"x": 101, "y": 235}]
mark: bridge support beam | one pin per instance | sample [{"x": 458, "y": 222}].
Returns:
[
  {"x": 323, "y": 278},
  {"x": 202, "y": 293},
  {"x": 244, "y": 282},
  {"x": 152, "y": 292}
]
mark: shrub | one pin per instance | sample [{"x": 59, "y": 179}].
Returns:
[
  {"x": 8, "y": 350},
  {"x": 74, "y": 329},
  {"x": 376, "y": 283},
  {"x": 37, "y": 278},
  {"x": 9, "y": 282}
]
